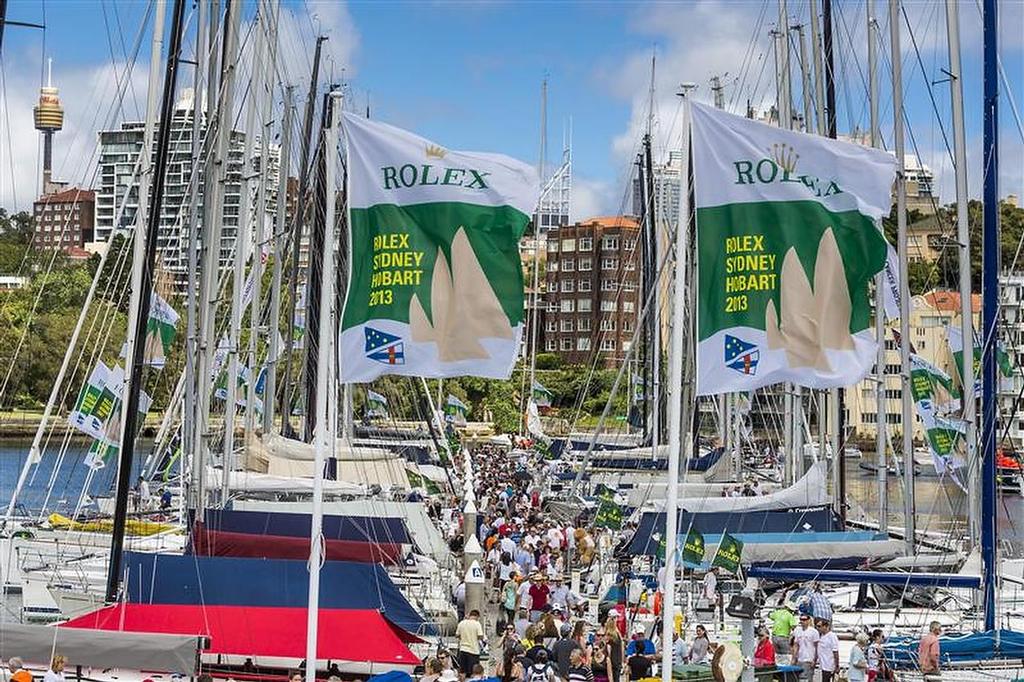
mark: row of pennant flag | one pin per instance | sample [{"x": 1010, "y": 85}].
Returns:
[{"x": 690, "y": 547}]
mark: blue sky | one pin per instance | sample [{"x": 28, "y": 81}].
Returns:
[{"x": 468, "y": 75}]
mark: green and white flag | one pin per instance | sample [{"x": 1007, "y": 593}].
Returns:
[
  {"x": 541, "y": 395},
  {"x": 788, "y": 240},
  {"x": 932, "y": 387},
  {"x": 377, "y": 405},
  {"x": 88, "y": 415},
  {"x": 161, "y": 329},
  {"x": 609, "y": 515},
  {"x": 729, "y": 554},
  {"x": 455, "y": 411},
  {"x": 436, "y": 285},
  {"x": 956, "y": 347},
  {"x": 691, "y": 547}
]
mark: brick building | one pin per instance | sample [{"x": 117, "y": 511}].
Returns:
[
  {"x": 64, "y": 220},
  {"x": 593, "y": 278}
]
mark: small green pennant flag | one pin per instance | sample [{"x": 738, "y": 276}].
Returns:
[
  {"x": 693, "y": 547},
  {"x": 729, "y": 554},
  {"x": 609, "y": 515},
  {"x": 604, "y": 493}
]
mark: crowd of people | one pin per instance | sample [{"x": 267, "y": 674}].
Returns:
[{"x": 545, "y": 630}]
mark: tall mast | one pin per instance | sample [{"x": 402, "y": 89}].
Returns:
[
  {"x": 907, "y": 422},
  {"x": 537, "y": 236},
  {"x": 990, "y": 307},
  {"x": 680, "y": 399},
  {"x": 880, "y": 336},
  {"x": 210, "y": 273},
  {"x": 969, "y": 400},
  {"x": 652, "y": 259},
  {"x": 323, "y": 442},
  {"x": 314, "y": 284},
  {"x": 243, "y": 240},
  {"x": 260, "y": 225},
  {"x": 819, "y": 90},
  {"x": 274, "y": 344},
  {"x": 645, "y": 276},
  {"x": 300, "y": 202},
  {"x": 805, "y": 69},
  {"x": 133, "y": 378},
  {"x": 785, "y": 88},
  {"x": 188, "y": 416}
]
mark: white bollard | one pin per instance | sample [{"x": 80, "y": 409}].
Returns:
[
  {"x": 469, "y": 520},
  {"x": 472, "y": 552},
  {"x": 475, "y": 589}
]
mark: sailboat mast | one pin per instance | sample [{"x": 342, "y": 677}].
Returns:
[
  {"x": 300, "y": 201},
  {"x": 210, "y": 272},
  {"x": 990, "y": 306},
  {"x": 274, "y": 342},
  {"x": 651, "y": 226},
  {"x": 133, "y": 379},
  {"x": 881, "y": 406},
  {"x": 243, "y": 241},
  {"x": 325, "y": 427},
  {"x": 819, "y": 89},
  {"x": 541, "y": 164},
  {"x": 785, "y": 89},
  {"x": 680, "y": 399},
  {"x": 963, "y": 237},
  {"x": 645, "y": 284},
  {"x": 188, "y": 416},
  {"x": 907, "y": 421}
]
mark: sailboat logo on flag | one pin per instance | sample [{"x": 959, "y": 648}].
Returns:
[
  {"x": 383, "y": 347},
  {"x": 741, "y": 356}
]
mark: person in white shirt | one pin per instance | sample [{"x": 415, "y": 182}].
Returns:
[
  {"x": 508, "y": 545},
  {"x": 56, "y": 671},
  {"x": 828, "y": 651},
  {"x": 804, "y": 645}
]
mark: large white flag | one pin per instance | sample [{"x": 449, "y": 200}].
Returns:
[
  {"x": 788, "y": 240},
  {"x": 436, "y": 285}
]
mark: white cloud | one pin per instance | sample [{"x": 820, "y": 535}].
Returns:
[
  {"x": 90, "y": 95},
  {"x": 590, "y": 198}
]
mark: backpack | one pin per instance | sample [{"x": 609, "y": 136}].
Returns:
[{"x": 538, "y": 673}]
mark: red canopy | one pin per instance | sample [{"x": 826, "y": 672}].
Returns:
[
  {"x": 209, "y": 542},
  {"x": 344, "y": 634}
]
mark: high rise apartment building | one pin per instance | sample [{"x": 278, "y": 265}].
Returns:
[
  {"x": 64, "y": 220},
  {"x": 666, "y": 191},
  {"x": 118, "y": 194},
  {"x": 592, "y": 293}
]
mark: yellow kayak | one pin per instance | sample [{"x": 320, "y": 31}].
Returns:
[{"x": 132, "y": 526}]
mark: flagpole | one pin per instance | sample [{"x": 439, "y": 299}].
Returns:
[
  {"x": 907, "y": 421},
  {"x": 325, "y": 427},
  {"x": 680, "y": 303}
]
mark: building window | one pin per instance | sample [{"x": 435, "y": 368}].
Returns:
[
  {"x": 629, "y": 286},
  {"x": 628, "y": 307},
  {"x": 583, "y": 305},
  {"x": 583, "y": 343},
  {"x": 583, "y": 324},
  {"x": 567, "y": 325},
  {"x": 629, "y": 265},
  {"x": 552, "y": 307},
  {"x": 568, "y": 286},
  {"x": 566, "y": 305},
  {"x": 608, "y": 306},
  {"x": 609, "y": 285},
  {"x": 550, "y": 345},
  {"x": 610, "y": 243},
  {"x": 552, "y": 246},
  {"x": 566, "y": 344},
  {"x": 627, "y": 324},
  {"x": 608, "y": 324},
  {"x": 568, "y": 245},
  {"x": 586, "y": 243},
  {"x": 608, "y": 345},
  {"x": 586, "y": 264},
  {"x": 609, "y": 263},
  {"x": 568, "y": 265},
  {"x": 553, "y": 265},
  {"x": 626, "y": 345},
  {"x": 551, "y": 326},
  {"x": 630, "y": 244},
  {"x": 583, "y": 285}
]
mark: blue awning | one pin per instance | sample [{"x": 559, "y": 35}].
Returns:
[
  {"x": 231, "y": 581},
  {"x": 794, "y": 575},
  {"x": 788, "y": 521}
]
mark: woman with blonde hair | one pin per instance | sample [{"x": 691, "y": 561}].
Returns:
[
  {"x": 56, "y": 671},
  {"x": 616, "y": 647}
]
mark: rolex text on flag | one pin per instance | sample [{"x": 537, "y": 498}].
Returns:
[
  {"x": 788, "y": 241},
  {"x": 436, "y": 284}
]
